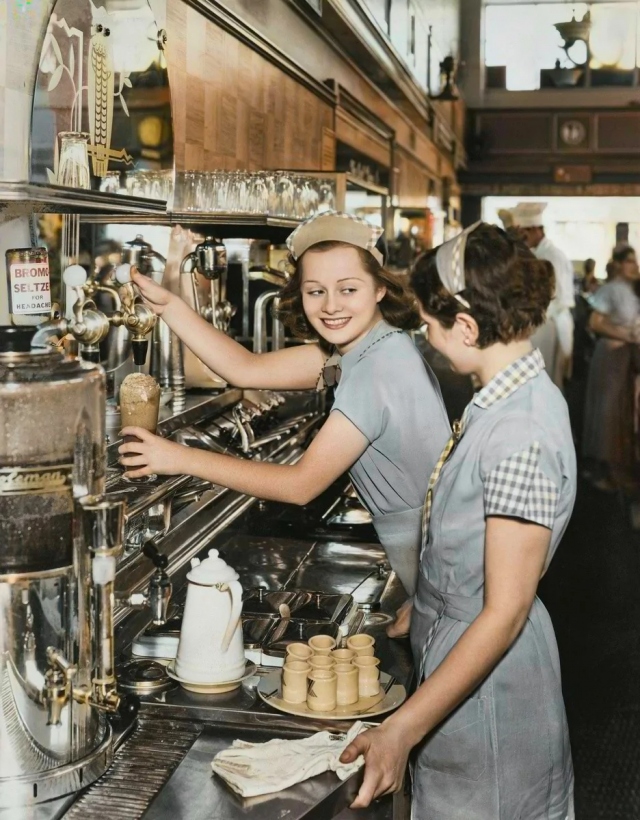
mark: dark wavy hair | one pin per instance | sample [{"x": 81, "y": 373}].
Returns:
[
  {"x": 508, "y": 289},
  {"x": 398, "y": 306}
]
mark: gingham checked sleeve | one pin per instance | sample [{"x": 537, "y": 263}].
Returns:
[{"x": 518, "y": 487}]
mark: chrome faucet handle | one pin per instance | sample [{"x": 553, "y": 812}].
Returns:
[{"x": 160, "y": 586}]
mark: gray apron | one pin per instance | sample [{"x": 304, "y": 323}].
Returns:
[
  {"x": 504, "y": 753},
  {"x": 399, "y": 534}
]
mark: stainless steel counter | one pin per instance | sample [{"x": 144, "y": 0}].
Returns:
[
  {"x": 192, "y": 793},
  {"x": 163, "y": 768}
]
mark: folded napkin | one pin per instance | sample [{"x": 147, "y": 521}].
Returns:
[{"x": 252, "y": 769}]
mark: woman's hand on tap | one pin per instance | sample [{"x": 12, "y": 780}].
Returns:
[
  {"x": 151, "y": 454},
  {"x": 154, "y": 295}
]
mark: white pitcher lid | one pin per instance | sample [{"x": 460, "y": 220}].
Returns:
[{"x": 213, "y": 570}]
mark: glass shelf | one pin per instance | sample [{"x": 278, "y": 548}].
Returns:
[{"x": 22, "y": 197}]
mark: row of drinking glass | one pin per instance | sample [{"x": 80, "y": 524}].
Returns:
[
  {"x": 145, "y": 184},
  {"x": 270, "y": 193}
]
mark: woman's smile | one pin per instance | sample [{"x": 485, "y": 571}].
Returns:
[{"x": 336, "y": 324}]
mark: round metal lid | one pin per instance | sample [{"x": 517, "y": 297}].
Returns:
[{"x": 144, "y": 677}]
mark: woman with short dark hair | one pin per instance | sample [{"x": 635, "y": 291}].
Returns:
[{"x": 488, "y": 716}]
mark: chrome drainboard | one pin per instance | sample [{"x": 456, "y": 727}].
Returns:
[{"x": 140, "y": 768}]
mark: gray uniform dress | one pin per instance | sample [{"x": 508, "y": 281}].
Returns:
[
  {"x": 390, "y": 394},
  {"x": 608, "y": 433},
  {"x": 504, "y": 753}
]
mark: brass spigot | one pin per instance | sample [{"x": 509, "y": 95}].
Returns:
[
  {"x": 57, "y": 685},
  {"x": 89, "y": 325},
  {"x": 135, "y": 316}
]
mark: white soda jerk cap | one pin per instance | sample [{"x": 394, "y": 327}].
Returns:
[
  {"x": 450, "y": 263},
  {"x": 335, "y": 226},
  {"x": 529, "y": 214}
]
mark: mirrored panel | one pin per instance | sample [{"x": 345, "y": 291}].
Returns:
[{"x": 102, "y": 105}]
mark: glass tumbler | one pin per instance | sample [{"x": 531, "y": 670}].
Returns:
[{"x": 73, "y": 164}]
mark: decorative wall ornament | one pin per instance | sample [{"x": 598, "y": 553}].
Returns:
[{"x": 102, "y": 72}]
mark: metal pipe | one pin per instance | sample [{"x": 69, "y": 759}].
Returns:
[
  {"x": 277, "y": 331},
  {"x": 260, "y": 324},
  {"x": 103, "y": 521}
]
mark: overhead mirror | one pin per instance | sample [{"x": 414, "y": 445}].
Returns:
[{"x": 102, "y": 105}]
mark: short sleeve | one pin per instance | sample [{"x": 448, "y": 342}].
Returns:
[
  {"x": 602, "y": 300},
  {"x": 360, "y": 397},
  {"x": 518, "y": 487}
]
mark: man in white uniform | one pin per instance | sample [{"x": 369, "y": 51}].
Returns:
[{"x": 555, "y": 338}]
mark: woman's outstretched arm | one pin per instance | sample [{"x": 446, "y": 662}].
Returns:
[
  {"x": 332, "y": 452},
  {"x": 295, "y": 368}
]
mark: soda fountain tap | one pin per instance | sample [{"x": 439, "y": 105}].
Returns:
[
  {"x": 146, "y": 260},
  {"x": 209, "y": 259},
  {"x": 136, "y": 316},
  {"x": 158, "y": 594},
  {"x": 89, "y": 325}
]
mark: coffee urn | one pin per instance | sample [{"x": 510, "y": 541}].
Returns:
[{"x": 59, "y": 540}]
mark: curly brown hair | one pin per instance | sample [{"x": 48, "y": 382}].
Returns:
[
  {"x": 398, "y": 306},
  {"x": 508, "y": 289}
]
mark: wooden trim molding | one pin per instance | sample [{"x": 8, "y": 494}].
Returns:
[
  {"x": 355, "y": 133},
  {"x": 358, "y": 111}
]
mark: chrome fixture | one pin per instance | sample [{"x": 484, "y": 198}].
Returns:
[
  {"x": 158, "y": 594},
  {"x": 90, "y": 326},
  {"x": 60, "y": 537},
  {"x": 209, "y": 259},
  {"x": 260, "y": 323}
]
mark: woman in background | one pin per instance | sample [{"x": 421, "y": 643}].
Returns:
[{"x": 608, "y": 438}]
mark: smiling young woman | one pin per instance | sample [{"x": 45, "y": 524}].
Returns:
[{"x": 388, "y": 422}]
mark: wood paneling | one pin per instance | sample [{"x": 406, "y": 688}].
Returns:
[
  {"x": 534, "y": 153},
  {"x": 232, "y": 108},
  {"x": 354, "y": 132},
  {"x": 411, "y": 182},
  {"x": 618, "y": 131},
  {"x": 516, "y": 133}
]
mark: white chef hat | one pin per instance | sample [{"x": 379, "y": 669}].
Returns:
[
  {"x": 335, "y": 226},
  {"x": 450, "y": 263},
  {"x": 529, "y": 214}
]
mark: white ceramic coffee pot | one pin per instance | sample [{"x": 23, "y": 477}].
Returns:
[{"x": 211, "y": 648}]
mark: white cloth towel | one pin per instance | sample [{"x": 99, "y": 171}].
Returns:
[{"x": 252, "y": 769}]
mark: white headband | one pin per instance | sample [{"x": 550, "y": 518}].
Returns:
[{"x": 450, "y": 263}]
